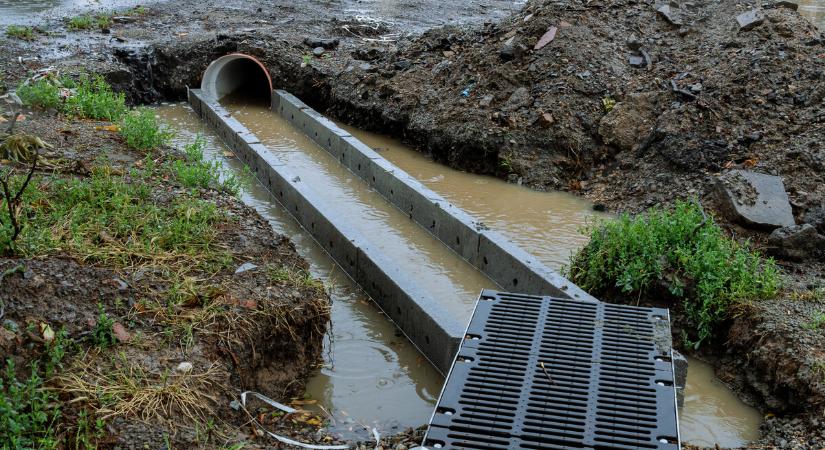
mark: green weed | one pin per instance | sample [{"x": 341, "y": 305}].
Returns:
[
  {"x": 28, "y": 411},
  {"x": 87, "y": 433},
  {"x": 196, "y": 171},
  {"x": 103, "y": 334},
  {"x": 94, "y": 99},
  {"x": 88, "y": 22},
  {"x": 105, "y": 219},
  {"x": 43, "y": 93},
  {"x": 818, "y": 321},
  {"x": 682, "y": 252},
  {"x": 142, "y": 130},
  {"x": 20, "y": 32}
]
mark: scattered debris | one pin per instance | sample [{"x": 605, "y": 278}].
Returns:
[
  {"x": 669, "y": 13},
  {"x": 245, "y": 267},
  {"x": 546, "y": 38}
]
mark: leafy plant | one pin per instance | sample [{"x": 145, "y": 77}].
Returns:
[
  {"x": 20, "y": 32},
  {"x": 680, "y": 252},
  {"x": 142, "y": 130},
  {"x": 195, "y": 171},
  {"x": 28, "y": 411},
  {"x": 87, "y": 432},
  {"x": 43, "y": 93},
  {"x": 87, "y": 22},
  {"x": 95, "y": 99},
  {"x": 104, "y": 333}
]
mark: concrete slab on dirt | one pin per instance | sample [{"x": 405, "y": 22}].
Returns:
[{"x": 755, "y": 199}]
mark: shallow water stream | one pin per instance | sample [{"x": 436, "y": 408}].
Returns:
[{"x": 372, "y": 376}]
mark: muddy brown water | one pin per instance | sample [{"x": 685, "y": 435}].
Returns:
[
  {"x": 813, "y": 10},
  {"x": 371, "y": 375}
]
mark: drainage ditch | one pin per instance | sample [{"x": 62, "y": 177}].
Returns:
[{"x": 371, "y": 374}]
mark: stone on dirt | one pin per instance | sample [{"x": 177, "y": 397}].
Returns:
[
  {"x": 328, "y": 44},
  {"x": 318, "y": 51},
  {"x": 184, "y": 367},
  {"x": 245, "y": 267},
  {"x": 630, "y": 121},
  {"x": 670, "y": 14},
  {"x": 512, "y": 49},
  {"x": 755, "y": 199},
  {"x": 796, "y": 242},
  {"x": 637, "y": 61},
  {"x": 546, "y": 38},
  {"x": 749, "y": 20}
]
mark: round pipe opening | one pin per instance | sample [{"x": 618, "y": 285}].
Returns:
[{"x": 239, "y": 76}]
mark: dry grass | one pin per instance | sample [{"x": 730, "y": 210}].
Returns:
[{"x": 123, "y": 388}]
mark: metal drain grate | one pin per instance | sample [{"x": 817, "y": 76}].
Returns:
[{"x": 606, "y": 380}]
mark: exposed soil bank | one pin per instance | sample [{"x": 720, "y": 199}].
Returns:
[
  {"x": 696, "y": 96},
  {"x": 189, "y": 336}
]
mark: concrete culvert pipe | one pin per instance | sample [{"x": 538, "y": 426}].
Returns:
[{"x": 239, "y": 75}]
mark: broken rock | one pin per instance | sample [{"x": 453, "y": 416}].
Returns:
[
  {"x": 512, "y": 49},
  {"x": 796, "y": 242},
  {"x": 749, "y": 20},
  {"x": 755, "y": 199},
  {"x": 669, "y": 13}
]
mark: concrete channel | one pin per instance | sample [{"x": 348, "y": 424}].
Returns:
[{"x": 422, "y": 318}]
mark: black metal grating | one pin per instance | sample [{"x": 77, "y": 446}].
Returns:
[{"x": 607, "y": 381}]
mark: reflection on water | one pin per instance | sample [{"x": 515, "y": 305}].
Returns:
[
  {"x": 814, "y": 10},
  {"x": 712, "y": 414}
]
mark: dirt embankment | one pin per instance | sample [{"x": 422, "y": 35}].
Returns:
[{"x": 147, "y": 306}]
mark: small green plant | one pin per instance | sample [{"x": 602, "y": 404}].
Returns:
[
  {"x": 43, "y": 93},
  {"x": 608, "y": 103},
  {"x": 20, "y": 32},
  {"x": 306, "y": 60},
  {"x": 87, "y": 432},
  {"x": 28, "y": 411},
  {"x": 196, "y": 171},
  {"x": 87, "y": 22},
  {"x": 103, "y": 334},
  {"x": 818, "y": 321},
  {"x": 94, "y": 99},
  {"x": 143, "y": 131},
  {"x": 680, "y": 252}
]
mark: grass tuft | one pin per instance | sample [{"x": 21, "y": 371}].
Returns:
[
  {"x": 196, "y": 171},
  {"x": 95, "y": 99},
  {"x": 142, "y": 130},
  {"x": 680, "y": 252},
  {"x": 87, "y": 22},
  {"x": 20, "y": 32},
  {"x": 43, "y": 93}
]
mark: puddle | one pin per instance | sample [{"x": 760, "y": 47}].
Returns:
[
  {"x": 32, "y": 11},
  {"x": 814, "y": 10},
  {"x": 712, "y": 414},
  {"x": 372, "y": 376}
]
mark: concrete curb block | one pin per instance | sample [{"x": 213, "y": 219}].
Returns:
[
  {"x": 427, "y": 324},
  {"x": 498, "y": 258}
]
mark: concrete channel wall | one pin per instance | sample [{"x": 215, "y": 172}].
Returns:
[
  {"x": 512, "y": 268},
  {"x": 430, "y": 327}
]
